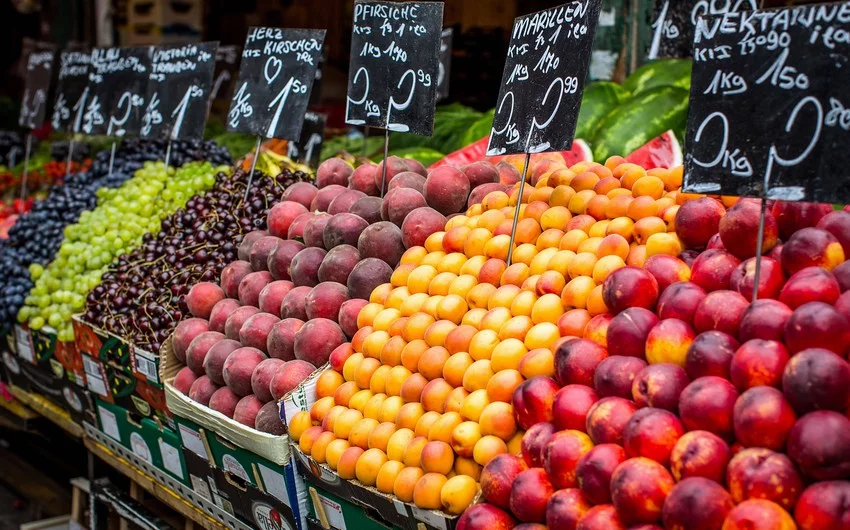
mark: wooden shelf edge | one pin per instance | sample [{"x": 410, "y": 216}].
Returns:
[
  {"x": 16, "y": 407},
  {"x": 44, "y": 407},
  {"x": 162, "y": 493}
]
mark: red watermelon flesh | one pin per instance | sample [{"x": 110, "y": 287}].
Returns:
[{"x": 663, "y": 151}]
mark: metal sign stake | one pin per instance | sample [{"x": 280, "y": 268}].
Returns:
[
  {"x": 518, "y": 204},
  {"x": 25, "y": 174},
  {"x": 112, "y": 157},
  {"x": 384, "y": 165},
  {"x": 70, "y": 157},
  {"x": 253, "y": 165}
]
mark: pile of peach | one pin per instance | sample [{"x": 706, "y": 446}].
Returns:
[
  {"x": 423, "y": 396},
  {"x": 684, "y": 405}
]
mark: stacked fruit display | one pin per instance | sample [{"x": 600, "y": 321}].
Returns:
[
  {"x": 36, "y": 237},
  {"x": 142, "y": 297},
  {"x": 301, "y": 284},
  {"x": 118, "y": 224},
  {"x": 623, "y": 342}
]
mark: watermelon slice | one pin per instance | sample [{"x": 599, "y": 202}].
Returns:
[
  {"x": 6, "y": 224},
  {"x": 663, "y": 151},
  {"x": 580, "y": 152}
]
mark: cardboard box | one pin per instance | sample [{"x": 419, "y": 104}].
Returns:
[
  {"x": 13, "y": 367},
  {"x": 149, "y": 443},
  {"x": 114, "y": 385},
  {"x": 62, "y": 359},
  {"x": 116, "y": 351},
  {"x": 329, "y": 512},
  {"x": 245, "y": 456}
]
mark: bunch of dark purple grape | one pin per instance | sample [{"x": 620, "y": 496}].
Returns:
[{"x": 142, "y": 296}]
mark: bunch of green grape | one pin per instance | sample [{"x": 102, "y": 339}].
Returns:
[{"x": 116, "y": 226}]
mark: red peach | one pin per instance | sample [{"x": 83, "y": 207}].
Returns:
[
  {"x": 758, "y": 514},
  {"x": 696, "y": 503},
  {"x": 288, "y": 376},
  {"x": 739, "y": 229},
  {"x": 338, "y": 263},
  {"x": 481, "y": 172},
  {"x": 838, "y": 224},
  {"x": 811, "y": 247},
  {"x": 715, "y": 243},
  {"x": 698, "y": 220},
  {"x": 628, "y": 331},
  {"x": 185, "y": 333},
  {"x": 639, "y": 487},
  {"x": 246, "y": 410},
  {"x": 408, "y": 179},
  {"x": 534, "y": 441},
  {"x": 343, "y": 229},
  {"x": 262, "y": 376},
  {"x": 301, "y": 192},
  {"x": 710, "y": 354},
  {"x": 771, "y": 278},
  {"x": 383, "y": 241},
  {"x": 533, "y": 401},
  {"x": 314, "y": 230},
  {"x": 817, "y": 325},
  {"x": 497, "y": 479},
  {"x": 198, "y": 349},
  {"x": 659, "y": 386},
  {"x": 565, "y": 509},
  {"x": 304, "y": 267},
  {"x": 652, "y": 433},
  {"x": 576, "y": 361},
  {"x": 571, "y": 405},
  {"x": 842, "y": 276},
  {"x": 369, "y": 208},
  {"x": 325, "y": 196},
  {"x": 446, "y": 189},
  {"x": 325, "y": 300},
  {"x": 817, "y": 379},
  {"x": 813, "y": 284},
  {"x": 268, "y": 420},
  {"x": 419, "y": 224},
  {"x": 713, "y": 269},
  {"x": 763, "y": 418},
  {"x": 340, "y": 354},
  {"x": 244, "y": 250},
  {"x": 792, "y": 216},
  {"x": 594, "y": 471},
  {"x": 232, "y": 275},
  {"x": 400, "y": 202},
  {"x": 561, "y": 455},
  {"x": 272, "y": 295},
  {"x": 668, "y": 342},
  {"x": 615, "y": 375},
  {"x": 476, "y": 196},
  {"x": 251, "y": 285},
  {"x": 820, "y": 445},
  {"x": 758, "y": 362},
  {"x": 823, "y": 506},
  {"x": 602, "y": 517},
  {"x": 216, "y": 356},
  {"x": 485, "y": 517},
  {"x": 667, "y": 270},
  {"x": 261, "y": 250},
  {"x": 184, "y": 379},
  {"x": 281, "y": 216},
  {"x": 316, "y": 339},
  {"x": 366, "y": 276},
  {"x": 764, "y": 319},
  {"x": 680, "y": 301},
  {"x": 707, "y": 404},
  {"x": 843, "y": 305},
  {"x": 508, "y": 174},
  {"x": 607, "y": 419},
  {"x": 347, "y": 317},
  {"x": 596, "y": 329},
  {"x": 255, "y": 331},
  {"x": 343, "y": 202},
  {"x": 394, "y": 166},
  {"x": 529, "y": 495},
  {"x": 363, "y": 179},
  {"x": 202, "y": 298},
  {"x": 281, "y": 259},
  {"x": 629, "y": 287},
  {"x": 689, "y": 256},
  {"x": 759, "y": 473},
  {"x": 224, "y": 401},
  {"x": 700, "y": 454},
  {"x": 721, "y": 311},
  {"x": 294, "y": 304},
  {"x": 239, "y": 367},
  {"x": 296, "y": 229},
  {"x": 333, "y": 171}
]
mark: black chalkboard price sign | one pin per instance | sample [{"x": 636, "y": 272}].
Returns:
[
  {"x": 769, "y": 109},
  {"x": 445, "y": 63},
  {"x": 178, "y": 90},
  {"x": 226, "y": 69},
  {"x": 395, "y": 64},
  {"x": 72, "y": 91},
  {"x": 674, "y": 22},
  {"x": 543, "y": 79},
  {"x": 308, "y": 149},
  {"x": 275, "y": 79},
  {"x": 118, "y": 78},
  {"x": 37, "y": 85}
]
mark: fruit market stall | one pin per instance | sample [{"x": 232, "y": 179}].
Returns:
[{"x": 501, "y": 325}]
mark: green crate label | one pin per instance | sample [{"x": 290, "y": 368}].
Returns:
[
  {"x": 141, "y": 405},
  {"x": 43, "y": 345},
  {"x": 140, "y": 447},
  {"x": 109, "y": 424},
  {"x": 273, "y": 483},
  {"x": 333, "y": 510},
  {"x": 171, "y": 459},
  {"x": 232, "y": 466}
]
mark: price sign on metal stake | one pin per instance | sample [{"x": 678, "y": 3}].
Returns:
[
  {"x": 543, "y": 79},
  {"x": 118, "y": 79},
  {"x": 275, "y": 79},
  {"x": 308, "y": 149},
  {"x": 37, "y": 85},
  {"x": 180, "y": 83},
  {"x": 446, "y": 39},
  {"x": 675, "y": 20},
  {"x": 226, "y": 69},
  {"x": 392, "y": 78},
  {"x": 72, "y": 91},
  {"x": 769, "y": 110}
]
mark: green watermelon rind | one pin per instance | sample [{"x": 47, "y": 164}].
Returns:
[
  {"x": 664, "y": 72},
  {"x": 480, "y": 128},
  {"x": 599, "y": 99},
  {"x": 639, "y": 120}
]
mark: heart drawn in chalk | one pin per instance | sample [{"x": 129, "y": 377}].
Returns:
[{"x": 272, "y": 70}]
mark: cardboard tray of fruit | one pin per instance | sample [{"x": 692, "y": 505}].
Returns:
[
  {"x": 271, "y": 447},
  {"x": 106, "y": 346}
]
